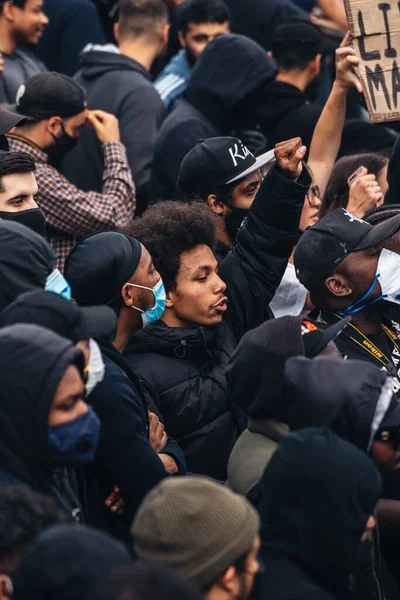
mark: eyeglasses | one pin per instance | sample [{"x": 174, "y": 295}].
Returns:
[{"x": 314, "y": 196}]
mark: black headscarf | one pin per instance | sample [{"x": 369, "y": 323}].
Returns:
[
  {"x": 99, "y": 265},
  {"x": 33, "y": 360},
  {"x": 26, "y": 260}
]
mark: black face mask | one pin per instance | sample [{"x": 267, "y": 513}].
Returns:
[
  {"x": 62, "y": 145},
  {"x": 234, "y": 220},
  {"x": 32, "y": 218}
]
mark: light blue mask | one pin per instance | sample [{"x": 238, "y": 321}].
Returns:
[
  {"x": 57, "y": 283},
  {"x": 152, "y": 314}
]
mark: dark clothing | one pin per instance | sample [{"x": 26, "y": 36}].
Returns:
[
  {"x": 120, "y": 86},
  {"x": 183, "y": 371},
  {"x": 390, "y": 350},
  {"x": 285, "y": 112},
  {"x": 124, "y": 457},
  {"x": 18, "y": 68},
  {"x": 259, "y": 19},
  {"x": 229, "y": 69},
  {"x": 392, "y": 196},
  {"x": 310, "y": 546},
  {"x": 25, "y": 261},
  {"x": 33, "y": 361},
  {"x": 73, "y": 24}
]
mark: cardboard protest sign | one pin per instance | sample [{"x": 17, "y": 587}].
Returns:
[{"x": 375, "y": 27}]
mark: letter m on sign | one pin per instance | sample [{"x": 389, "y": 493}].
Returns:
[{"x": 375, "y": 30}]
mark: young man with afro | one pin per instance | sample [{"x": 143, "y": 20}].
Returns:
[{"x": 182, "y": 359}]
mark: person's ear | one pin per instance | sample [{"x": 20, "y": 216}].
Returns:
[
  {"x": 127, "y": 295},
  {"x": 53, "y": 125},
  {"x": 170, "y": 300},
  {"x": 165, "y": 34},
  {"x": 229, "y": 581},
  {"x": 315, "y": 66},
  {"x": 9, "y": 11},
  {"x": 181, "y": 39},
  {"x": 216, "y": 205},
  {"x": 116, "y": 32},
  {"x": 270, "y": 54},
  {"x": 6, "y": 587},
  {"x": 337, "y": 286}
]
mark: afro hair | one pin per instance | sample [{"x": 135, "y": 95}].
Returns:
[{"x": 170, "y": 228}]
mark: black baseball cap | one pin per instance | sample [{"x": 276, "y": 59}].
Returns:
[
  {"x": 324, "y": 245},
  {"x": 316, "y": 337},
  {"x": 66, "y": 318},
  {"x": 8, "y": 120},
  {"x": 49, "y": 95},
  {"x": 216, "y": 162}
]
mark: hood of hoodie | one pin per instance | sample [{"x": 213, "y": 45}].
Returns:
[
  {"x": 277, "y": 99},
  {"x": 229, "y": 69},
  {"x": 351, "y": 397},
  {"x": 317, "y": 494},
  {"x": 33, "y": 360},
  {"x": 173, "y": 341},
  {"x": 96, "y": 60},
  {"x": 256, "y": 370},
  {"x": 26, "y": 260}
]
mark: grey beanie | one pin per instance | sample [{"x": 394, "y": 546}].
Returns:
[{"x": 195, "y": 525}]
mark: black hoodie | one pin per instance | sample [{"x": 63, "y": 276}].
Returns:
[
  {"x": 33, "y": 360},
  {"x": 26, "y": 260},
  {"x": 120, "y": 86},
  {"x": 229, "y": 69},
  {"x": 318, "y": 492}
]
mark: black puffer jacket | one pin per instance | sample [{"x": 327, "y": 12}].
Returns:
[{"x": 183, "y": 372}]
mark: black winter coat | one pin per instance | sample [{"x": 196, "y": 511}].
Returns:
[
  {"x": 183, "y": 371},
  {"x": 124, "y": 456}
]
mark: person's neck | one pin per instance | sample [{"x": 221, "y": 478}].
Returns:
[
  {"x": 7, "y": 43},
  {"x": 28, "y": 135},
  {"x": 170, "y": 319},
  {"x": 217, "y": 593},
  {"x": 369, "y": 320},
  {"x": 298, "y": 79},
  {"x": 144, "y": 54},
  {"x": 125, "y": 329},
  {"x": 222, "y": 235}
]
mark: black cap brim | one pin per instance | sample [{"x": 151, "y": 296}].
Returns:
[
  {"x": 14, "y": 110},
  {"x": 379, "y": 233},
  {"x": 330, "y": 334},
  {"x": 96, "y": 322},
  {"x": 9, "y": 120}
]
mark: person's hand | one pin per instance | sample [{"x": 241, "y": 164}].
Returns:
[
  {"x": 106, "y": 126},
  {"x": 346, "y": 64},
  {"x": 115, "y": 502},
  {"x": 1, "y": 64},
  {"x": 289, "y": 155},
  {"x": 365, "y": 194},
  {"x": 170, "y": 465},
  {"x": 158, "y": 437}
]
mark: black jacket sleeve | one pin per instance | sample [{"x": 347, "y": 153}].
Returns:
[
  {"x": 124, "y": 452},
  {"x": 253, "y": 269}
]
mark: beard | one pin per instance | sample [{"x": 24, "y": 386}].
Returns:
[{"x": 190, "y": 57}]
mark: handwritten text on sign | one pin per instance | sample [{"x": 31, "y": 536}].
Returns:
[{"x": 375, "y": 27}]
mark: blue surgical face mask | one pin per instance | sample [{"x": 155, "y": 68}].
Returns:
[
  {"x": 75, "y": 442},
  {"x": 57, "y": 283},
  {"x": 152, "y": 314}
]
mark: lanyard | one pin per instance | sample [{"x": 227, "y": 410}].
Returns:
[{"x": 361, "y": 340}]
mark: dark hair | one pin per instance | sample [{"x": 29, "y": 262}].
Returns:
[
  {"x": 337, "y": 191},
  {"x": 17, "y": 3},
  {"x": 24, "y": 514},
  {"x": 295, "y": 45},
  {"x": 170, "y": 228},
  {"x": 141, "y": 17},
  {"x": 146, "y": 580},
  {"x": 201, "y": 11},
  {"x": 15, "y": 162},
  {"x": 382, "y": 213}
]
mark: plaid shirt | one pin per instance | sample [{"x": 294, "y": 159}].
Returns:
[{"x": 72, "y": 213}]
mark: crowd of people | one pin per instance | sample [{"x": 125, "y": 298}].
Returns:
[{"x": 199, "y": 305}]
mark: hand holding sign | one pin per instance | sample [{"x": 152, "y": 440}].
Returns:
[
  {"x": 346, "y": 63},
  {"x": 375, "y": 29},
  {"x": 289, "y": 156}
]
